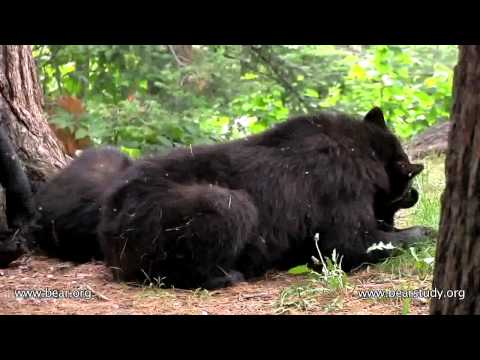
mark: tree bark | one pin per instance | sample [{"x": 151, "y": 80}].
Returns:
[
  {"x": 21, "y": 107},
  {"x": 457, "y": 263},
  {"x": 21, "y": 103}
]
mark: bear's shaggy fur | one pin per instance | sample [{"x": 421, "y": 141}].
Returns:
[
  {"x": 68, "y": 206},
  {"x": 207, "y": 216}
]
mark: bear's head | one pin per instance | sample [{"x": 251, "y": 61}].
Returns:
[{"x": 400, "y": 170}]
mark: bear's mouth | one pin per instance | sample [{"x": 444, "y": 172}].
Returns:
[
  {"x": 403, "y": 194},
  {"x": 408, "y": 199}
]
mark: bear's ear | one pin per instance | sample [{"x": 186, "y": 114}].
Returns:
[
  {"x": 375, "y": 116},
  {"x": 409, "y": 170}
]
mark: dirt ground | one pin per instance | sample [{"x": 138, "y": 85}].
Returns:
[{"x": 102, "y": 296}]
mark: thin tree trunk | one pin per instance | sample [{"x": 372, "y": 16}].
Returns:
[
  {"x": 21, "y": 104},
  {"x": 457, "y": 266},
  {"x": 183, "y": 54}
]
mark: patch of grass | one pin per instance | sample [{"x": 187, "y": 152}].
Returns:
[
  {"x": 416, "y": 260},
  {"x": 430, "y": 184},
  {"x": 155, "y": 283},
  {"x": 331, "y": 280},
  {"x": 335, "y": 305},
  {"x": 331, "y": 276},
  {"x": 155, "y": 292},
  {"x": 152, "y": 287},
  {"x": 302, "y": 296},
  {"x": 406, "y": 306},
  {"x": 202, "y": 293}
]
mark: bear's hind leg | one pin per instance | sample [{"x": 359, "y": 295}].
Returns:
[
  {"x": 213, "y": 236},
  {"x": 187, "y": 235}
]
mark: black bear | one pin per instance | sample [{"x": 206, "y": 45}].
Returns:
[
  {"x": 18, "y": 198},
  {"x": 68, "y": 205},
  {"x": 208, "y": 216}
]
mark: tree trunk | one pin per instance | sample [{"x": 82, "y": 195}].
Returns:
[
  {"x": 21, "y": 103},
  {"x": 457, "y": 263},
  {"x": 21, "y": 107}
]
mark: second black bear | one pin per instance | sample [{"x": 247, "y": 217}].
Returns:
[
  {"x": 207, "y": 216},
  {"x": 68, "y": 206}
]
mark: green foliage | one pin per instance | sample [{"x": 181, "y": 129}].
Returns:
[
  {"x": 153, "y": 97},
  {"x": 416, "y": 260},
  {"x": 302, "y": 296},
  {"x": 139, "y": 124},
  {"x": 331, "y": 274},
  {"x": 330, "y": 280},
  {"x": 300, "y": 270},
  {"x": 412, "y": 84}
]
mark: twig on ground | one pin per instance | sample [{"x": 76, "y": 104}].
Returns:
[{"x": 101, "y": 296}]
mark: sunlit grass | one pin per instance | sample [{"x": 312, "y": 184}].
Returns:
[
  {"x": 430, "y": 184},
  {"x": 330, "y": 280}
]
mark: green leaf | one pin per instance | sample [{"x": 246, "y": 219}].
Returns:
[
  {"x": 403, "y": 72},
  {"x": 413, "y": 253},
  {"x": 132, "y": 152},
  {"x": 249, "y": 76},
  {"x": 358, "y": 72},
  {"x": 424, "y": 98},
  {"x": 299, "y": 270},
  {"x": 312, "y": 93},
  {"x": 259, "y": 101},
  {"x": 67, "y": 68},
  {"x": 431, "y": 82},
  {"x": 72, "y": 85}
]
